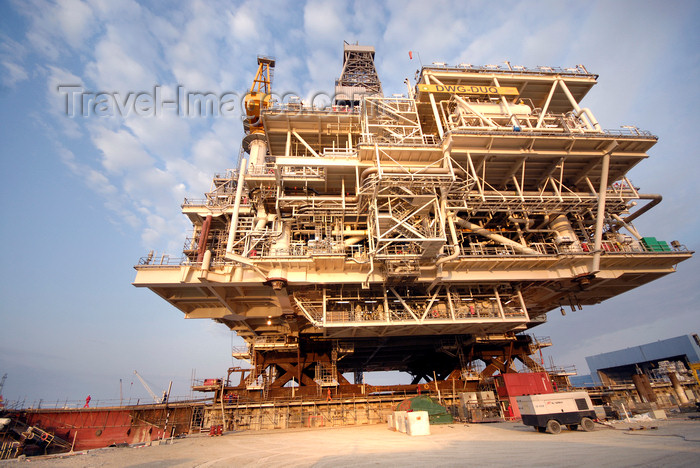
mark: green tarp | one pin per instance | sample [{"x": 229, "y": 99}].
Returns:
[{"x": 436, "y": 412}]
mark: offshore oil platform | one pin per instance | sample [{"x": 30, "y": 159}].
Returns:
[{"x": 423, "y": 233}]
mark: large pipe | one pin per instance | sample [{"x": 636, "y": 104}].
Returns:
[
  {"x": 353, "y": 240},
  {"x": 320, "y": 198},
  {"x": 586, "y": 111},
  {"x": 631, "y": 229},
  {"x": 236, "y": 205},
  {"x": 433, "y": 105},
  {"x": 261, "y": 218},
  {"x": 655, "y": 200},
  {"x": 476, "y": 229},
  {"x": 206, "y": 260},
  {"x": 203, "y": 236},
  {"x": 579, "y": 111},
  {"x": 282, "y": 243},
  {"x": 455, "y": 242},
  {"x": 528, "y": 223},
  {"x": 412, "y": 170},
  {"x": 600, "y": 215},
  {"x": 471, "y": 108},
  {"x": 336, "y": 232},
  {"x": 512, "y": 116}
]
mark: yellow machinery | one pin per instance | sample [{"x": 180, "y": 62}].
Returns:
[{"x": 259, "y": 98}]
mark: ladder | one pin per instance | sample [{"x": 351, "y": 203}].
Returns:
[{"x": 197, "y": 419}]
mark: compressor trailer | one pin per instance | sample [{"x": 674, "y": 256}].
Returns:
[{"x": 547, "y": 413}]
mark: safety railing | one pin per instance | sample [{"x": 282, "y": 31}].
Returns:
[
  {"x": 578, "y": 70},
  {"x": 42, "y": 404},
  {"x": 541, "y": 341},
  {"x": 416, "y": 140},
  {"x": 161, "y": 260},
  {"x": 267, "y": 169},
  {"x": 359, "y": 253}
]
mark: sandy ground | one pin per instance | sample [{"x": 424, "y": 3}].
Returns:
[{"x": 675, "y": 442}]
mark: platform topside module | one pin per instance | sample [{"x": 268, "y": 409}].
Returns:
[{"x": 419, "y": 233}]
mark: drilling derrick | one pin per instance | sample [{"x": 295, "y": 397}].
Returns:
[
  {"x": 359, "y": 76},
  {"x": 422, "y": 234}
]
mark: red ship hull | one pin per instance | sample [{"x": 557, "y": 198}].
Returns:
[{"x": 89, "y": 428}]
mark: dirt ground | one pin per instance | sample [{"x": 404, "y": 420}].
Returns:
[{"x": 674, "y": 442}]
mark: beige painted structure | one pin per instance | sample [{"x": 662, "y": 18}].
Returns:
[{"x": 446, "y": 214}]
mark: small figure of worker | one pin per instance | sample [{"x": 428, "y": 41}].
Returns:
[{"x": 87, "y": 401}]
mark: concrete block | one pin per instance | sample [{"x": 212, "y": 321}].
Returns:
[
  {"x": 417, "y": 423},
  {"x": 400, "y": 421}
]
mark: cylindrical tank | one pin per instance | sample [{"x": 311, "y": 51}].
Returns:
[
  {"x": 258, "y": 150},
  {"x": 495, "y": 108},
  {"x": 565, "y": 234}
]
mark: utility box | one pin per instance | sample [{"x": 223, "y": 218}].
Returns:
[
  {"x": 547, "y": 413},
  {"x": 417, "y": 423}
]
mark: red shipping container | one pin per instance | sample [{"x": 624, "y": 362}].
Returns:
[{"x": 512, "y": 385}]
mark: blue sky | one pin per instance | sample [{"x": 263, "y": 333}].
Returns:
[{"x": 84, "y": 197}]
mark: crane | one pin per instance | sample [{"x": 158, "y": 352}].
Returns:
[
  {"x": 153, "y": 395},
  {"x": 259, "y": 98}
]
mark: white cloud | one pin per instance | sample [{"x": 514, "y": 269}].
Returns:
[
  {"x": 76, "y": 21},
  {"x": 60, "y": 101},
  {"x": 324, "y": 22},
  {"x": 121, "y": 151},
  {"x": 122, "y": 61},
  {"x": 166, "y": 136},
  {"x": 15, "y": 74},
  {"x": 243, "y": 25},
  {"x": 54, "y": 23}
]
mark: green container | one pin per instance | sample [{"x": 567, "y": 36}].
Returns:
[{"x": 653, "y": 245}]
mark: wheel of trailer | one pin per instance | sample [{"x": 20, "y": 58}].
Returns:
[
  {"x": 553, "y": 426},
  {"x": 572, "y": 427},
  {"x": 587, "y": 424},
  {"x": 541, "y": 429}
]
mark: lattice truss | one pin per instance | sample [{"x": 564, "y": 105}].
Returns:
[
  {"x": 359, "y": 70},
  {"x": 404, "y": 222},
  {"x": 522, "y": 185},
  {"x": 392, "y": 120},
  {"x": 397, "y": 305}
]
